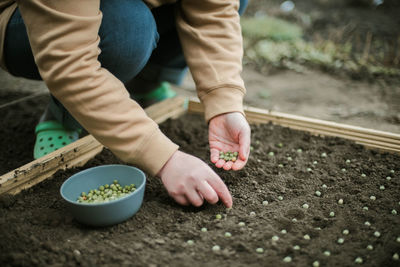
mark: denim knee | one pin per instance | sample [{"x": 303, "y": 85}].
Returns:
[{"x": 128, "y": 35}]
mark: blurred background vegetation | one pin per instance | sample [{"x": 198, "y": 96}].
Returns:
[{"x": 359, "y": 38}]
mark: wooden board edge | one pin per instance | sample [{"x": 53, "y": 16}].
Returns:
[{"x": 385, "y": 141}]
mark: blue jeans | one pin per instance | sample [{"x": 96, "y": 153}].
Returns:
[{"x": 134, "y": 40}]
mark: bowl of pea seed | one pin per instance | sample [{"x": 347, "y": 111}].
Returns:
[{"x": 104, "y": 195}]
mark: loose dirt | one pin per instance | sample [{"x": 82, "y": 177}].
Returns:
[{"x": 36, "y": 229}]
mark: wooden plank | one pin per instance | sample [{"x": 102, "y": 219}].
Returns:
[
  {"x": 77, "y": 153},
  {"x": 385, "y": 141}
]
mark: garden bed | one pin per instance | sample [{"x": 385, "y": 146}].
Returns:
[{"x": 36, "y": 228}]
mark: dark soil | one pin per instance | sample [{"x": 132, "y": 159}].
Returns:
[
  {"x": 17, "y": 126},
  {"x": 36, "y": 229}
]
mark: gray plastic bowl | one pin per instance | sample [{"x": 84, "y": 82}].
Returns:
[{"x": 107, "y": 213}]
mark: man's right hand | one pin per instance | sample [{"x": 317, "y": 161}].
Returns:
[{"x": 189, "y": 180}]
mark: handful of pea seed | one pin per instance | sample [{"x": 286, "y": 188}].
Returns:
[
  {"x": 106, "y": 193},
  {"x": 228, "y": 156}
]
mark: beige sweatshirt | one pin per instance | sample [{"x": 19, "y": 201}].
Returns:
[{"x": 64, "y": 40}]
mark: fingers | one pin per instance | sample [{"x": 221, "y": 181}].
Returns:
[
  {"x": 207, "y": 192},
  {"x": 182, "y": 200},
  {"x": 214, "y": 155},
  {"x": 238, "y": 165},
  {"x": 228, "y": 165},
  {"x": 244, "y": 145},
  {"x": 194, "y": 197},
  {"x": 220, "y": 163},
  {"x": 220, "y": 188}
]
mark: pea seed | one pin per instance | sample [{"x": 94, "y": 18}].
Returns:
[
  {"x": 115, "y": 181},
  {"x": 265, "y": 202},
  {"x": 289, "y": 158},
  {"x": 309, "y": 169},
  {"x": 370, "y": 247},
  {"x": 327, "y": 253},
  {"x": 363, "y": 175},
  {"x": 345, "y": 232},
  {"x": 259, "y": 250},
  {"x": 324, "y": 186},
  {"x": 299, "y": 150},
  {"x": 101, "y": 188},
  {"x": 365, "y": 208},
  {"x": 307, "y": 237},
  {"x": 204, "y": 229},
  {"x": 331, "y": 214},
  {"x": 315, "y": 264},
  {"x": 235, "y": 153},
  {"x": 252, "y": 214},
  {"x": 398, "y": 239},
  {"x": 275, "y": 238},
  {"x": 395, "y": 256},
  {"x": 377, "y": 234},
  {"x": 294, "y": 220},
  {"x": 391, "y": 171},
  {"x": 340, "y": 201},
  {"x": 367, "y": 223},
  {"x": 358, "y": 260},
  {"x": 287, "y": 259},
  {"x": 227, "y": 234},
  {"x": 218, "y": 216},
  {"x": 283, "y": 231},
  {"x": 233, "y": 159},
  {"x": 271, "y": 154},
  {"x": 216, "y": 248},
  {"x": 280, "y": 165},
  {"x": 305, "y": 206},
  {"x": 318, "y": 193},
  {"x": 340, "y": 240},
  {"x": 343, "y": 170},
  {"x": 348, "y": 161},
  {"x": 315, "y": 162},
  {"x": 323, "y": 155},
  {"x": 241, "y": 224},
  {"x": 382, "y": 187},
  {"x": 372, "y": 197},
  {"x": 190, "y": 242},
  {"x": 280, "y": 197},
  {"x": 296, "y": 247}
]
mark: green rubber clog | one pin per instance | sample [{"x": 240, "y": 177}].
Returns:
[
  {"x": 50, "y": 136},
  {"x": 163, "y": 92}
]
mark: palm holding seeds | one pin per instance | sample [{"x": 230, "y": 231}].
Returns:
[{"x": 229, "y": 133}]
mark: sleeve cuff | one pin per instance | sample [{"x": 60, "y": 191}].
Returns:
[
  {"x": 152, "y": 155},
  {"x": 222, "y": 100}
]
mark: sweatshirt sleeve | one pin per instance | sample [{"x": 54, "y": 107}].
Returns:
[
  {"x": 64, "y": 41},
  {"x": 211, "y": 38}
]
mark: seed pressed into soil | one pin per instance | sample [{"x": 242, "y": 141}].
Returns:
[{"x": 36, "y": 229}]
